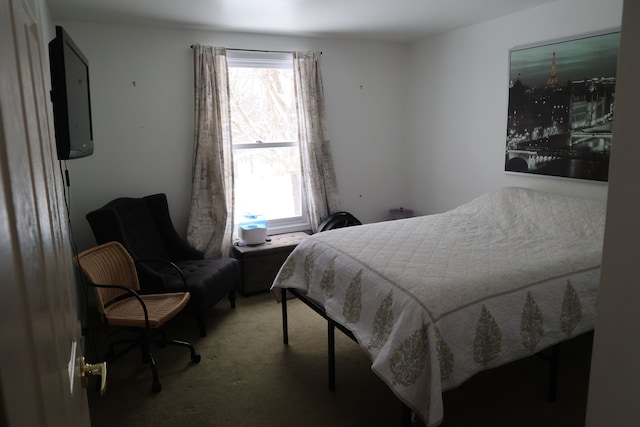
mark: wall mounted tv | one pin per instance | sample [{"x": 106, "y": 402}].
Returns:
[{"x": 71, "y": 97}]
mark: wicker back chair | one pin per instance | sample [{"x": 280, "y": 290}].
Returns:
[{"x": 111, "y": 272}]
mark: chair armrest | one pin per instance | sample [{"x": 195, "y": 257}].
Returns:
[
  {"x": 131, "y": 293},
  {"x": 171, "y": 264}
]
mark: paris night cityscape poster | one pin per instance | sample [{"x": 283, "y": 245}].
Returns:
[{"x": 561, "y": 105}]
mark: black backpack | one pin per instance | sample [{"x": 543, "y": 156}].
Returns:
[{"x": 338, "y": 220}]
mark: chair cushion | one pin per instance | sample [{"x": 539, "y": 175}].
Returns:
[
  {"x": 160, "y": 309},
  {"x": 139, "y": 225},
  {"x": 208, "y": 280}
]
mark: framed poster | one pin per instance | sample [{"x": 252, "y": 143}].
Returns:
[{"x": 561, "y": 104}]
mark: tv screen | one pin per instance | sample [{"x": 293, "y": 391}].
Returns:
[{"x": 71, "y": 98}]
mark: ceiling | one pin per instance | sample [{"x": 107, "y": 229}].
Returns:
[{"x": 382, "y": 20}]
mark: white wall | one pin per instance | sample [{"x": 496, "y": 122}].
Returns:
[
  {"x": 143, "y": 132},
  {"x": 615, "y": 371},
  {"x": 458, "y": 98}
]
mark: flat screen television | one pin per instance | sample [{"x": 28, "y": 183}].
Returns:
[{"x": 71, "y": 98}]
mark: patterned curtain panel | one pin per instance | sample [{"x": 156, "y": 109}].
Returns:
[
  {"x": 210, "y": 226},
  {"x": 319, "y": 176}
]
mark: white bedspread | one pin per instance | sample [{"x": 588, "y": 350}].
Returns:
[{"x": 436, "y": 299}]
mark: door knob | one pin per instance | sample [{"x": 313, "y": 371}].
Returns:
[{"x": 90, "y": 369}]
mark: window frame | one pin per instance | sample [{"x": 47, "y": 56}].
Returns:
[{"x": 280, "y": 60}]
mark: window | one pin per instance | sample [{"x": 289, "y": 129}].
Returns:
[{"x": 267, "y": 173}]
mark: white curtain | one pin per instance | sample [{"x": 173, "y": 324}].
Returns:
[
  {"x": 210, "y": 225},
  {"x": 319, "y": 176}
]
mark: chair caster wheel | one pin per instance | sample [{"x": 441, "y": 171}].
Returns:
[
  {"x": 195, "y": 358},
  {"x": 156, "y": 387}
]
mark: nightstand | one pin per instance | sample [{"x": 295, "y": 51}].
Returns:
[{"x": 260, "y": 264}]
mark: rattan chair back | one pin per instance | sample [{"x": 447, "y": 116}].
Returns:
[{"x": 109, "y": 264}]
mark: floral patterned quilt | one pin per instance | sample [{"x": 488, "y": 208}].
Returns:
[{"x": 435, "y": 299}]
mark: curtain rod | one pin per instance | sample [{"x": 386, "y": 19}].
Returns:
[{"x": 259, "y": 50}]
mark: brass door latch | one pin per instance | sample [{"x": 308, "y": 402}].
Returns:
[{"x": 90, "y": 369}]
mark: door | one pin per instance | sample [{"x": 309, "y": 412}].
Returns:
[{"x": 40, "y": 332}]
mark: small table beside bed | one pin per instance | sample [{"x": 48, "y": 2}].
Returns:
[{"x": 435, "y": 299}]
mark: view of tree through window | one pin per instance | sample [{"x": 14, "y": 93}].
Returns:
[{"x": 264, "y": 134}]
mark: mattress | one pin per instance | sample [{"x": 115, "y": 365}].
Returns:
[{"x": 435, "y": 299}]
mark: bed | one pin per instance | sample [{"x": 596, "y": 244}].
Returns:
[{"x": 436, "y": 299}]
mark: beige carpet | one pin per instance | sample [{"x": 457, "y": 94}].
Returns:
[{"x": 248, "y": 377}]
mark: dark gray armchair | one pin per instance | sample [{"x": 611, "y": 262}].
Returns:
[{"x": 143, "y": 226}]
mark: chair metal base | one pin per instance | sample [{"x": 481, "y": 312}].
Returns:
[{"x": 143, "y": 342}]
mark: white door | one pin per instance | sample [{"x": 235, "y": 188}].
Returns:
[{"x": 40, "y": 334}]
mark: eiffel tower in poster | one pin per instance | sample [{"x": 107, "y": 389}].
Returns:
[{"x": 553, "y": 78}]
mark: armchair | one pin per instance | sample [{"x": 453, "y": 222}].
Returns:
[{"x": 144, "y": 227}]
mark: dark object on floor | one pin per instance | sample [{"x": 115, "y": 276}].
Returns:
[
  {"x": 338, "y": 220},
  {"x": 112, "y": 273},
  {"x": 143, "y": 226}
]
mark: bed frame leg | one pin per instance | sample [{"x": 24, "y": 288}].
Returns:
[
  {"x": 554, "y": 367},
  {"x": 406, "y": 416},
  {"x": 331, "y": 345},
  {"x": 285, "y": 326}
]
